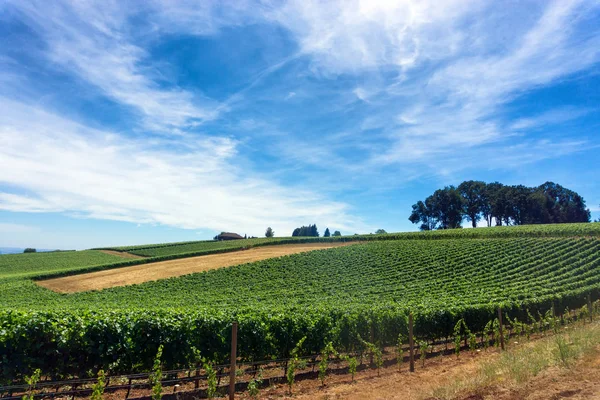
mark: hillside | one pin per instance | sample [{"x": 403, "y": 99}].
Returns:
[{"x": 330, "y": 295}]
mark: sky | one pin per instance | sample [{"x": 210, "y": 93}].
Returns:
[{"x": 128, "y": 122}]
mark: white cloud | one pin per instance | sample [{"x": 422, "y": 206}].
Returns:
[
  {"x": 447, "y": 68},
  {"x": 9, "y": 228},
  {"x": 91, "y": 173},
  {"x": 95, "y": 42},
  {"x": 552, "y": 117},
  {"x": 348, "y": 36},
  {"x": 459, "y": 106},
  {"x": 362, "y": 94}
]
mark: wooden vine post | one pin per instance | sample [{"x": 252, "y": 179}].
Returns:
[
  {"x": 500, "y": 327},
  {"x": 590, "y": 308},
  {"x": 411, "y": 343},
  {"x": 234, "y": 328}
]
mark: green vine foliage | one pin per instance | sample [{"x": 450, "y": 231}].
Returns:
[
  {"x": 98, "y": 388},
  {"x": 440, "y": 276},
  {"x": 211, "y": 378},
  {"x": 254, "y": 384},
  {"x": 457, "y": 336},
  {"x": 295, "y": 363},
  {"x": 156, "y": 375},
  {"x": 423, "y": 346},
  {"x": 324, "y": 362},
  {"x": 32, "y": 382},
  {"x": 400, "y": 351}
]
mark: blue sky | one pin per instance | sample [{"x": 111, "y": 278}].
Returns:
[{"x": 134, "y": 122}]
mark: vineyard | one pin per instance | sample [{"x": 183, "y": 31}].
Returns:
[{"x": 343, "y": 295}]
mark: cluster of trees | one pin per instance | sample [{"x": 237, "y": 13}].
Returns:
[
  {"x": 549, "y": 203},
  {"x": 311, "y": 230},
  {"x": 30, "y": 250}
]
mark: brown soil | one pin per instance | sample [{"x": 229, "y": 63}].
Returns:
[
  {"x": 123, "y": 254},
  {"x": 390, "y": 384},
  {"x": 167, "y": 269},
  {"x": 581, "y": 381}
]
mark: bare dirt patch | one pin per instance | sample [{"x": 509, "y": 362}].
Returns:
[
  {"x": 122, "y": 254},
  {"x": 167, "y": 269}
]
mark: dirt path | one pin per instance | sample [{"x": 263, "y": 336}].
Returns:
[
  {"x": 122, "y": 254},
  {"x": 167, "y": 269},
  {"x": 581, "y": 381}
]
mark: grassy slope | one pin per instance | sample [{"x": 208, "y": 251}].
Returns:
[
  {"x": 15, "y": 270},
  {"x": 189, "y": 249},
  {"x": 461, "y": 272},
  {"x": 508, "y": 375},
  {"x": 31, "y": 264}
]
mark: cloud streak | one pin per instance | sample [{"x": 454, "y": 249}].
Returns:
[
  {"x": 67, "y": 167},
  {"x": 95, "y": 42}
]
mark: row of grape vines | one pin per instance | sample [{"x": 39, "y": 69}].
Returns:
[{"x": 336, "y": 295}]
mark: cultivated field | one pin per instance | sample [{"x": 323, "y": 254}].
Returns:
[
  {"x": 342, "y": 296},
  {"x": 168, "y": 269}
]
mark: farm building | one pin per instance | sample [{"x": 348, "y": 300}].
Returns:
[{"x": 228, "y": 236}]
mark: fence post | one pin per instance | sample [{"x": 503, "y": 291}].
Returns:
[
  {"x": 234, "y": 328},
  {"x": 411, "y": 343},
  {"x": 500, "y": 327},
  {"x": 590, "y": 308}
]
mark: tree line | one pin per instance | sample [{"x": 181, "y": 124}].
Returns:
[
  {"x": 549, "y": 203},
  {"x": 312, "y": 230}
]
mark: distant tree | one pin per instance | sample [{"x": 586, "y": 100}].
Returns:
[
  {"x": 563, "y": 205},
  {"x": 337, "y": 233},
  {"x": 326, "y": 234},
  {"x": 245, "y": 237},
  {"x": 548, "y": 203},
  {"x": 473, "y": 196},
  {"x": 380, "y": 231},
  {"x": 448, "y": 205},
  {"x": 29, "y": 250},
  {"x": 269, "y": 233},
  {"x": 313, "y": 231},
  {"x": 493, "y": 206},
  {"x": 423, "y": 214},
  {"x": 310, "y": 230}
]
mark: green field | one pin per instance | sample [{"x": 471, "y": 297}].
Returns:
[
  {"x": 35, "y": 264},
  {"x": 329, "y": 295}
]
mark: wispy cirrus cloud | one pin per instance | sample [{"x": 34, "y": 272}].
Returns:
[
  {"x": 95, "y": 42},
  {"x": 446, "y": 70},
  {"x": 552, "y": 117},
  {"x": 66, "y": 167},
  {"x": 323, "y": 100}
]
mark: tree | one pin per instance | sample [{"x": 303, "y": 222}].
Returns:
[
  {"x": 269, "y": 233},
  {"x": 326, "y": 234},
  {"x": 337, "y": 233},
  {"x": 473, "y": 196},
  {"x": 423, "y": 214},
  {"x": 563, "y": 205},
  {"x": 310, "y": 230},
  {"x": 380, "y": 231},
  {"x": 29, "y": 250},
  {"x": 442, "y": 210},
  {"x": 313, "y": 231}
]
